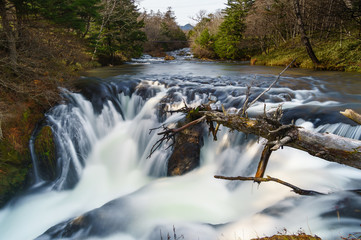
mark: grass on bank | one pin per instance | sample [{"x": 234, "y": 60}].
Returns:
[{"x": 341, "y": 55}]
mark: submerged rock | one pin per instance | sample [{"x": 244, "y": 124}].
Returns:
[{"x": 100, "y": 222}]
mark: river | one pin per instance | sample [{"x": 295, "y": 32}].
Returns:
[{"x": 106, "y": 187}]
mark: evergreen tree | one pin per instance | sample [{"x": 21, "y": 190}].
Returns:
[
  {"x": 120, "y": 36},
  {"x": 71, "y": 14},
  {"x": 230, "y": 35}
]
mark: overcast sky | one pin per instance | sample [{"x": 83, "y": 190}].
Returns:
[{"x": 183, "y": 9}]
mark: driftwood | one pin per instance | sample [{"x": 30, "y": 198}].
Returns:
[{"x": 351, "y": 114}]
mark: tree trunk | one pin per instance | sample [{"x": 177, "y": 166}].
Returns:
[
  {"x": 330, "y": 147},
  {"x": 304, "y": 38},
  {"x": 9, "y": 32}
]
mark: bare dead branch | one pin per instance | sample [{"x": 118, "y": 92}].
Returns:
[
  {"x": 351, "y": 114},
  {"x": 269, "y": 88},
  {"x": 280, "y": 143},
  {"x": 184, "y": 109},
  {"x": 169, "y": 134},
  {"x": 183, "y": 127},
  {"x": 295, "y": 189},
  {"x": 284, "y": 127},
  {"x": 245, "y": 104}
]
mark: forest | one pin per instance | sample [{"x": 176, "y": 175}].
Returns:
[
  {"x": 46, "y": 44},
  {"x": 322, "y": 34}
]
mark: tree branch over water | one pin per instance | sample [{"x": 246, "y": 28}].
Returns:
[
  {"x": 327, "y": 146},
  {"x": 297, "y": 190}
]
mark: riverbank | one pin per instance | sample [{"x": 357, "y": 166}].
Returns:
[
  {"x": 341, "y": 55},
  {"x": 52, "y": 60}
]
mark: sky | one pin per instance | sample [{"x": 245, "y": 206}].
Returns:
[{"x": 183, "y": 9}]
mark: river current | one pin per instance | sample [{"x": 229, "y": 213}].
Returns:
[{"x": 105, "y": 187}]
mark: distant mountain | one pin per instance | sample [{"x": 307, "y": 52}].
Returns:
[{"x": 187, "y": 27}]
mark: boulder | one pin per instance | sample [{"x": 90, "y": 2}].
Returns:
[{"x": 186, "y": 151}]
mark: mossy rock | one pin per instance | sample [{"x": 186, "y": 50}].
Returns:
[
  {"x": 45, "y": 153},
  {"x": 301, "y": 236}
]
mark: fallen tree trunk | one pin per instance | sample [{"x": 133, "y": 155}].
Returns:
[{"x": 327, "y": 146}]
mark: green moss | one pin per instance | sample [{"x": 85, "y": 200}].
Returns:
[
  {"x": 14, "y": 167},
  {"x": 333, "y": 55},
  {"x": 45, "y": 152}
]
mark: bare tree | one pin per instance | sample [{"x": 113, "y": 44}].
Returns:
[
  {"x": 7, "y": 13},
  {"x": 304, "y": 37}
]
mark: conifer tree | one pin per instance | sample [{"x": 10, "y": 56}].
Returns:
[
  {"x": 71, "y": 14},
  {"x": 228, "y": 43},
  {"x": 120, "y": 36}
]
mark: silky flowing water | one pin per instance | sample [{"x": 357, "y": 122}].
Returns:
[{"x": 107, "y": 187}]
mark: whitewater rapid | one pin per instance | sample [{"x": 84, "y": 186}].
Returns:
[{"x": 103, "y": 142}]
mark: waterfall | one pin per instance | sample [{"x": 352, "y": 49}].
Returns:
[{"x": 105, "y": 177}]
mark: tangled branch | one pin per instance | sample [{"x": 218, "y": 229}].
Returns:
[{"x": 169, "y": 134}]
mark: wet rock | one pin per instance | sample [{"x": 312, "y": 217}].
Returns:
[
  {"x": 101, "y": 222},
  {"x": 168, "y": 57},
  {"x": 45, "y": 153},
  {"x": 186, "y": 151}
]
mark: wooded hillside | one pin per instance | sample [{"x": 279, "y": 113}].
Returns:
[
  {"x": 43, "y": 46},
  {"x": 324, "y": 34}
]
